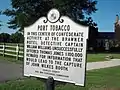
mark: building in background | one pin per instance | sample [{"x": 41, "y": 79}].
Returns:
[
  {"x": 105, "y": 40},
  {"x": 117, "y": 29},
  {"x": 108, "y": 40}
]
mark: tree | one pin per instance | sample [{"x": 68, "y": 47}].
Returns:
[
  {"x": 17, "y": 38},
  {"x": 4, "y": 37},
  {"x": 93, "y": 32},
  {"x": 0, "y": 24},
  {"x": 0, "y": 21},
  {"x": 26, "y": 12}
]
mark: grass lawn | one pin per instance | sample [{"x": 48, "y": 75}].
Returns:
[
  {"x": 11, "y": 59},
  {"x": 101, "y": 56},
  {"x": 102, "y": 79}
]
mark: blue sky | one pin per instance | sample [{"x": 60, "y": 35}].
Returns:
[
  {"x": 104, "y": 17},
  {"x": 106, "y": 14}
]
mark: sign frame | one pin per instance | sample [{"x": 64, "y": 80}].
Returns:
[{"x": 53, "y": 21}]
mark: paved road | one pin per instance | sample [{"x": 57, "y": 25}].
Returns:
[
  {"x": 10, "y": 71},
  {"x": 105, "y": 64}
]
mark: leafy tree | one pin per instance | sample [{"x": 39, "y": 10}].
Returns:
[
  {"x": 26, "y": 12},
  {"x": 0, "y": 21},
  {"x": 4, "y": 37},
  {"x": 17, "y": 38},
  {"x": 93, "y": 32},
  {"x": 0, "y": 24}
]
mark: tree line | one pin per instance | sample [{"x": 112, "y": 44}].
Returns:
[
  {"x": 26, "y": 12},
  {"x": 13, "y": 38}
]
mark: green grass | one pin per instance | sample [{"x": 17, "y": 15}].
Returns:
[
  {"x": 102, "y": 79},
  {"x": 11, "y": 59},
  {"x": 116, "y": 55},
  {"x": 101, "y": 57}
]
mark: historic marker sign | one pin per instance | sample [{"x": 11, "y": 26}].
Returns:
[{"x": 56, "y": 46}]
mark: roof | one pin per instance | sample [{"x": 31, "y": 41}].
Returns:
[{"x": 106, "y": 35}]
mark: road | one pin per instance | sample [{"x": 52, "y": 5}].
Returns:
[
  {"x": 12, "y": 71},
  {"x": 105, "y": 64}
]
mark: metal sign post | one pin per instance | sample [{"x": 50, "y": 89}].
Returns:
[{"x": 50, "y": 84}]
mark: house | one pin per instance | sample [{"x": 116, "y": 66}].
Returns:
[{"x": 108, "y": 40}]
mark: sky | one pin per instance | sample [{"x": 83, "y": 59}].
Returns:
[{"x": 105, "y": 16}]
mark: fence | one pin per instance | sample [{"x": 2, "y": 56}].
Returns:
[{"x": 14, "y": 50}]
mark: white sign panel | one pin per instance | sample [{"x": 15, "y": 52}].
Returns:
[{"x": 56, "y": 46}]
